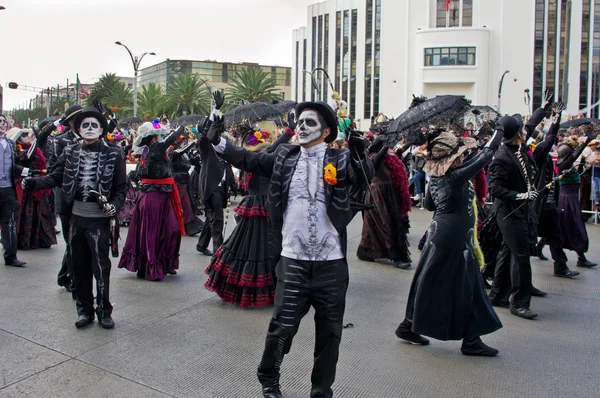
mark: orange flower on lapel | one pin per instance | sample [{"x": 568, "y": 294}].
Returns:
[{"x": 330, "y": 174}]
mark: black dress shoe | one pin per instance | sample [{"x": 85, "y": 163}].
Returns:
[
  {"x": 402, "y": 264},
  {"x": 537, "y": 292},
  {"x": 476, "y": 348},
  {"x": 16, "y": 263},
  {"x": 106, "y": 321},
  {"x": 540, "y": 255},
  {"x": 172, "y": 272},
  {"x": 83, "y": 320},
  {"x": 524, "y": 313},
  {"x": 405, "y": 333},
  {"x": 581, "y": 263},
  {"x": 567, "y": 274},
  {"x": 365, "y": 258},
  {"x": 204, "y": 251},
  {"x": 272, "y": 392}
]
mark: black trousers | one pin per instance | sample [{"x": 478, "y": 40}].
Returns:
[
  {"x": 213, "y": 226},
  {"x": 65, "y": 274},
  {"x": 549, "y": 228},
  {"x": 300, "y": 285},
  {"x": 89, "y": 244},
  {"x": 9, "y": 213},
  {"x": 512, "y": 277}
]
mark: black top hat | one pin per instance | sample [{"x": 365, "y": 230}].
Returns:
[
  {"x": 324, "y": 110},
  {"x": 70, "y": 113},
  {"x": 511, "y": 128},
  {"x": 90, "y": 111}
]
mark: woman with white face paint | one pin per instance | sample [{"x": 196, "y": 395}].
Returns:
[
  {"x": 36, "y": 216},
  {"x": 93, "y": 180}
]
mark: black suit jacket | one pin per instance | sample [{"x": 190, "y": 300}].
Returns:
[
  {"x": 211, "y": 169},
  {"x": 279, "y": 167}
]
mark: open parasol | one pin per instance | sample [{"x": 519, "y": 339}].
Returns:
[
  {"x": 285, "y": 106},
  {"x": 251, "y": 113},
  {"x": 187, "y": 120},
  {"x": 442, "y": 110},
  {"x": 132, "y": 120},
  {"x": 578, "y": 122},
  {"x": 381, "y": 127},
  {"x": 478, "y": 116}
]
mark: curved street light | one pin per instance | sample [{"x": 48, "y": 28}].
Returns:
[
  {"x": 500, "y": 89},
  {"x": 136, "y": 66}
]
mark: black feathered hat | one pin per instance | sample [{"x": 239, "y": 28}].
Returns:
[{"x": 70, "y": 113}]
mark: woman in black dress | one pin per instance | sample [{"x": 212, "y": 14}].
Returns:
[
  {"x": 242, "y": 270},
  {"x": 447, "y": 299}
]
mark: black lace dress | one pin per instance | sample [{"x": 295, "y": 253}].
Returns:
[{"x": 447, "y": 299}]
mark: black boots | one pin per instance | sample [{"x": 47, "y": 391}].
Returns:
[
  {"x": 539, "y": 250},
  {"x": 272, "y": 392},
  {"x": 84, "y": 320},
  {"x": 474, "y": 347},
  {"x": 405, "y": 333}
]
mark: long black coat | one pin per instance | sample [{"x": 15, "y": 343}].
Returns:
[
  {"x": 280, "y": 165},
  {"x": 211, "y": 171}
]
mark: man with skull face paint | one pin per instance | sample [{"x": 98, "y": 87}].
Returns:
[
  {"x": 9, "y": 206},
  {"x": 82, "y": 171},
  {"x": 310, "y": 190}
]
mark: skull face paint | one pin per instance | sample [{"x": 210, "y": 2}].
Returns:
[
  {"x": 309, "y": 128},
  {"x": 3, "y": 125},
  {"x": 25, "y": 137},
  {"x": 90, "y": 129}
]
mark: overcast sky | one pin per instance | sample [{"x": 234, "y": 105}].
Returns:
[{"x": 46, "y": 42}]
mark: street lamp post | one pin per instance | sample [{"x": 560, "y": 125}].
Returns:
[
  {"x": 500, "y": 89},
  {"x": 136, "y": 65}
]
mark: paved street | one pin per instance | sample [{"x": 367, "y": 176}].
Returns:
[{"x": 175, "y": 339}]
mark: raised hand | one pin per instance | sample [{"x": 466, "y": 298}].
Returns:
[
  {"x": 219, "y": 98},
  {"x": 531, "y": 195}
]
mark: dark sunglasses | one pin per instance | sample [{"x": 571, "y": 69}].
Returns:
[{"x": 86, "y": 125}]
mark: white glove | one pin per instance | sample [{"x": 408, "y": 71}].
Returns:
[
  {"x": 110, "y": 210},
  {"x": 531, "y": 195},
  {"x": 58, "y": 122}
]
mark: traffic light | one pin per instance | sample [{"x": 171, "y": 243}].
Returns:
[{"x": 13, "y": 85}]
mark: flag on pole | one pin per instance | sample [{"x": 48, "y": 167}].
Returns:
[{"x": 447, "y": 6}]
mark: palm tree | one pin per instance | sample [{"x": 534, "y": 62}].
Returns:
[
  {"x": 120, "y": 100},
  {"x": 187, "y": 95},
  {"x": 252, "y": 84},
  {"x": 102, "y": 88},
  {"x": 152, "y": 101}
]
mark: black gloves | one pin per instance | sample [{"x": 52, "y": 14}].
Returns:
[
  {"x": 292, "y": 120},
  {"x": 219, "y": 98},
  {"x": 216, "y": 129},
  {"x": 356, "y": 144},
  {"x": 28, "y": 184}
]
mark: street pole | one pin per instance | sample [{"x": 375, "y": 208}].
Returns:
[
  {"x": 500, "y": 90},
  {"x": 136, "y": 65}
]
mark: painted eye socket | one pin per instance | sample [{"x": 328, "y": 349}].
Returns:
[{"x": 87, "y": 125}]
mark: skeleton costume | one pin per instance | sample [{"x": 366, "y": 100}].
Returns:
[
  {"x": 9, "y": 206},
  {"x": 154, "y": 236},
  {"x": 36, "y": 227},
  {"x": 313, "y": 215},
  {"x": 83, "y": 171}
]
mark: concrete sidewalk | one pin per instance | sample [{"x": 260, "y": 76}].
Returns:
[{"x": 175, "y": 339}]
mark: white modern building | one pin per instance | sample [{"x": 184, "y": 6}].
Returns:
[{"x": 379, "y": 53}]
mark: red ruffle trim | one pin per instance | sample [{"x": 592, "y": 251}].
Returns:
[
  {"x": 400, "y": 179},
  {"x": 254, "y": 211}
]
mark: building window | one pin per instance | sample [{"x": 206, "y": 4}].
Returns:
[
  {"x": 596, "y": 60},
  {"x": 376, "y": 79},
  {"x": 352, "y": 104},
  {"x": 585, "y": 51},
  {"x": 449, "y": 56},
  {"x": 303, "y": 69},
  {"x": 314, "y": 54},
  {"x": 346, "y": 56},
  {"x": 454, "y": 13},
  {"x": 538, "y": 54},
  {"x": 368, "y": 58},
  {"x": 551, "y": 45},
  {"x": 326, "y": 56},
  {"x": 338, "y": 50},
  {"x": 565, "y": 43}
]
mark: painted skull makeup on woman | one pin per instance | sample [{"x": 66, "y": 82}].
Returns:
[
  {"x": 25, "y": 137},
  {"x": 90, "y": 130},
  {"x": 310, "y": 129}
]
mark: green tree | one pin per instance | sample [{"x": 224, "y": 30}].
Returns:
[
  {"x": 252, "y": 84},
  {"x": 187, "y": 95},
  {"x": 120, "y": 100},
  {"x": 103, "y": 88},
  {"x": 152, "y": 101}
]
